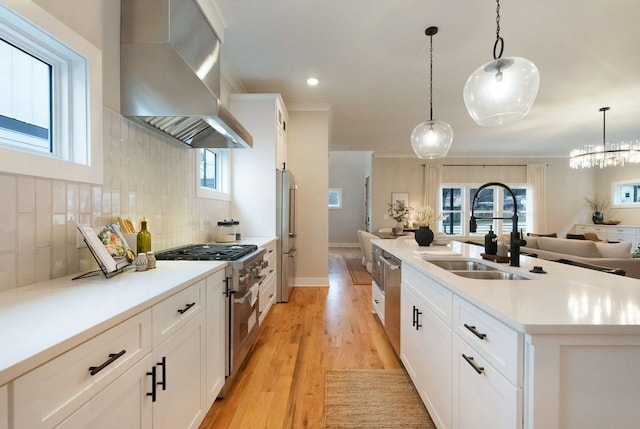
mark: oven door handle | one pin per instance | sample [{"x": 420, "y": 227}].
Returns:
[{"x": 247, "y": 296}]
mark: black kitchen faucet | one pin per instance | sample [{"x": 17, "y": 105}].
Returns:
[{"x": 516, "y": 238}]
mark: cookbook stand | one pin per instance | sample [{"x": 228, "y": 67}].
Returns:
[
  {"x": 98, "y": 254},
  {"x": 107, "y": 274}
]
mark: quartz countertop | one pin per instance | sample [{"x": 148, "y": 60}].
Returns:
[
  {"x": 40, "y": 321},
  {"x": 566, "y": 300}
]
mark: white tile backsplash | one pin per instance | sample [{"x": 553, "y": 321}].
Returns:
[{"x": 145, "y": 175}]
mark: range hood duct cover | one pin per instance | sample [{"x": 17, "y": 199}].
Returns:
[{"x": 170, "y": 74}]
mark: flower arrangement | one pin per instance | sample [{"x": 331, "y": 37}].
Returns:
[
  {"x": 398, "y": 210},
  {"x": 426, "y": 216}
]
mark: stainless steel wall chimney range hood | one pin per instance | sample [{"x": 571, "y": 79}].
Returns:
[{"x": 170, "y": 74}]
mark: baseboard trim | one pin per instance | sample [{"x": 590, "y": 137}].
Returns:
[
  {"x": 344, "y": 244},
  {"x": 311, "y": 281}
]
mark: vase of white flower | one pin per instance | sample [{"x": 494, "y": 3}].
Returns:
[
  {"x": 424, "y": 236},
  {"x": 425, "y": 217},
  {"x": 399, "y": 212}
]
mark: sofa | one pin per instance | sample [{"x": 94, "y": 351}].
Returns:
[{"x": 603, "y": 254}]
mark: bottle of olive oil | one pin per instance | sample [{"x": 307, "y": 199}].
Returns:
[{"x": 144, "y": 238}]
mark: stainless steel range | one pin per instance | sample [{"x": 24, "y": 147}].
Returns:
[{"x": 243, "y": 274}]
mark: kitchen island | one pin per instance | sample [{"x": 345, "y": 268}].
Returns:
[{"x": 553, "y": 350}]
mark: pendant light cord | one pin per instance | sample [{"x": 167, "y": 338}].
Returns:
[
  {"x": 431, "y": 78},
  {"x": 604, "y": 125},
  {"x": 499, "y": 40}
]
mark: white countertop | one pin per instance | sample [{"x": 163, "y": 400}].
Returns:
[
  {"x": 566, "y": 300},
  {"x": 40, "y": 321}
]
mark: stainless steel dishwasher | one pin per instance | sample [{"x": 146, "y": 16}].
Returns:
[{"x": 391, "y": 279}]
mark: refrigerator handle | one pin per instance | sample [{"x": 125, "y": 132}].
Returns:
[{"x": 292, "y": 212}]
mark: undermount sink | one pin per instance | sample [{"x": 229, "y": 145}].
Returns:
[
  {"x": 489, "y": 275},
  {"x": 476, "y": 270},
  {"x": 454, "y": 265}
]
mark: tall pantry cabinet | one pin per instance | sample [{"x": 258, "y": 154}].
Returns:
[{"x": 253, "y": 184}]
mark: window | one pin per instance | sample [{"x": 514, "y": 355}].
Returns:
[
  {"x": 25, "y": 99},
  {"x": 626, "y": 194},
  {"x": 335, "y": 198},
  {"x": 50, "y": 97},
  {"x": 491, "y": 202},
  {"x": 213, "y": 173}
]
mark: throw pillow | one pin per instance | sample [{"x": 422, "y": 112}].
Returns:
[
  {"x": 583, "y": 248},
  {"x": 575, "y": 236},
  {"x": 533, "y": 234},
  {"x": 591, "y": 236},
  {"x": 614, "y": 250},
  {"x": 532, "y": 242}
]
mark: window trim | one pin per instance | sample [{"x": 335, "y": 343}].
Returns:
[
  {"x": 223, "y": 169},
  {"x": 89, "y": 104}
]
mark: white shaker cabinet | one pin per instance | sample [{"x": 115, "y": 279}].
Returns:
[
  {"x": 267, "y": 291},
  {"x": 216, "y": 289},
  {"x": 4, "y": 408},
  {"x": 179, "y": 363},
  {"x": 123, "y": 404},
  {"x": 426, "y": 341},
  {"x": 482, "y": 397},
  {"x": 253, "y": 170}
]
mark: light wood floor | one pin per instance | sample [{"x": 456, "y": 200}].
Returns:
[{"x": 320, "y": 328}]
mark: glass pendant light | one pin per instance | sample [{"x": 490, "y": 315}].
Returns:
[
  {"x": 431, "y": 139},
  {"x": 502, "y": 90}
]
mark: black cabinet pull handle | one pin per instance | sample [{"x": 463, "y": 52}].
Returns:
[
  {"x": 153, "y": 384},
  {"x": 186, "y": 308},
  {"x": 270, "y": 296},
  {"x": 163, "y": 364},
  {"x": 93, "y": 370},
  {"x": 418, "y": 325},
  {"x": 413, "y": 323},
  {"x": 470, "y": 361},
  {"x": 475, "y": 332}
]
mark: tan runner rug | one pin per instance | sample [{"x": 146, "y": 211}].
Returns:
[
  {"x": 359, "y": 274},
  {"x": 373, "y": 398}
]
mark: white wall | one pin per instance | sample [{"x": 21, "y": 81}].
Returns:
[
  {"x": 566, "y": 188},
  {"x": 307, "y": 154},
  {"x": 145, "y": 174},
  {"x": 347, "y": 171}
]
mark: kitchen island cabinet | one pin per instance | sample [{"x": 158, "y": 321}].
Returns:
[
  {"x": 551, "y": 351},
  {"x": 94, "y": 363}
]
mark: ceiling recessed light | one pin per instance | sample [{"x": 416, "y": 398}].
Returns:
[{"x": 312, "y": 81}]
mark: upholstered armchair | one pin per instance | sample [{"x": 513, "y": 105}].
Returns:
[{"x": 366, "y": 248}]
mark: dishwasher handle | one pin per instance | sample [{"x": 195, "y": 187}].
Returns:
[{"x": 391, "y": 265}]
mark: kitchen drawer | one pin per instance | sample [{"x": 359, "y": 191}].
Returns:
[
  {"x": 377, "y": 300},
  {"x": 175, "y": 311},
  {"x": 4, "y": 408},
  {"x": 42, "y": 398},
  {"x": 437, "y": 297},
  {"x": 496, "y": 342},
  {"x": 271, "y": 250},
  {"x": 267, "y": 296}
]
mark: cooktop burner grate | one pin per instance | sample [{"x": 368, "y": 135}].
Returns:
[{"x": 207, "y": 252}]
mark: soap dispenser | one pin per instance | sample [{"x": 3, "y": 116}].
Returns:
[{"x": 490, "y": 243}]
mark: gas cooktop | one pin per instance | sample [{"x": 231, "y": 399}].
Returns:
[{"x": 207, "y": 252}]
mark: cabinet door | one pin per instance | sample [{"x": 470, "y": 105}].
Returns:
[
  {"x": 215, "y": 335},
  {"x": 482, "y": 397},
  {"x": 180, "y": 373},
  {"x": 426, "y": 353},
  {"x": 124, "y": 404}
]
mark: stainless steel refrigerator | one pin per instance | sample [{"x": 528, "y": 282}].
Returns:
[{"x": 286, "y": 230}]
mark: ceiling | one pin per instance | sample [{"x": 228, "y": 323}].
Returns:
[{"x": 371, "y": 57}]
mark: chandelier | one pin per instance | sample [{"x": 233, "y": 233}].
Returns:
[
  {"x": 502, "y": 90},
  {"x": 431, "y": 139},
  {"x": 607, "y": 154}
]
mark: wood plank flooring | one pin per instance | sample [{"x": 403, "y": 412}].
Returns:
[{"x": 320, "y": 328}]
